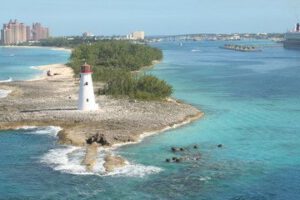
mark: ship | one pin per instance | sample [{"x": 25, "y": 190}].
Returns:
[{"x": 292, "y": 38}]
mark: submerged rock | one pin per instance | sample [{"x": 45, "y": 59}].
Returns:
[
  {"x": 220, "y": 145},
  {"x": 175, "y": 149}
]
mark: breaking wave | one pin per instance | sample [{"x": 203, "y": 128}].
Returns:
[
  {"x": 68, "y": 159},
  {"x": 48, "y": 130}
]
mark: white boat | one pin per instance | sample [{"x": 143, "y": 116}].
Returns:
[{"x": 292, "y": 38}]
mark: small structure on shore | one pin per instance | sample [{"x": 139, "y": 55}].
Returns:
[{"x": 86, "y": 100}]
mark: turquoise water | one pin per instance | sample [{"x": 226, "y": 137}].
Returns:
[
  {"x": 17, "y": 63},
  {"x": 251, "y": 105}
]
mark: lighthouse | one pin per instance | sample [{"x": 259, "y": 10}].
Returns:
[{"x": 86, "y": 100}]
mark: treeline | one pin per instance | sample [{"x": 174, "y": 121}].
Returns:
[
  {"x": 114, "y": 62},
  {"x": 65, "y": 41},
  {"x": 116, "y": 54}
]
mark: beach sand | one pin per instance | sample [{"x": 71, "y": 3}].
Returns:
[{"x": 53, "y": 101}]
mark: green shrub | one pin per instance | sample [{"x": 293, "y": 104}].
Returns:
[
  {"x": 146, "y": 87},
  {"x": 150, "y": 87}
]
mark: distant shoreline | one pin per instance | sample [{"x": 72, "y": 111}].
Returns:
[{"x": 39, "y": 47}]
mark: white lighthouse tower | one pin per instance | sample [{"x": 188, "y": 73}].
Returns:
[{"x": 86, "y": 100}]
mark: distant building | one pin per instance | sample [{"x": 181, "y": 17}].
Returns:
[
  {"x": 28, "y": 33},
  {"x": 87, "y": 34},
  {"x": 39, "y": 32},
  {"x": 14, "y": 33},
  {"x": 137, "y": 35}
]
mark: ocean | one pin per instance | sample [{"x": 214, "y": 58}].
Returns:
[
  {"x": 17, "y": 62},
  {"x": 251, "y": 106}
]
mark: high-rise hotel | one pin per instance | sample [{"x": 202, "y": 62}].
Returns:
[{"x": 16, "y": 33}]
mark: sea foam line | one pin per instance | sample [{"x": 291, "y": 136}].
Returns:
[
  {"x": 6, "y": 81},
  {"x": 45, "y": 130},
  {"x": 151, "y": 133}
]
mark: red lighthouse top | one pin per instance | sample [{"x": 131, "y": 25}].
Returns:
[{"x": 86, "y": 68}]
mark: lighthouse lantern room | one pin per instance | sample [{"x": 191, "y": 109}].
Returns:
[{"x": 86, "y": 100}]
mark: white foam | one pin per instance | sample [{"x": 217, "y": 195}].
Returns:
[
  {"x": 195, "y": 50},
  {"x": 48, "y": 130},
  {"x": 135, "y": 170},
  {"x": 68, "y": 159},
  {"x": 6, "y": 81},
  {"x": 206, "y": 178},
  {"x": 4, "y": 93}
]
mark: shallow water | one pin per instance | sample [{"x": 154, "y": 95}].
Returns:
[
  {"x": 251, "y": 105},
  {"x": 17, "y": 62}
]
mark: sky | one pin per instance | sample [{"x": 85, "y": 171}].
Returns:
[{"x": 155, "y": 17}]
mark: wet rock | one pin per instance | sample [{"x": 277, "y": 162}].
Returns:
[
  {"x": 90, "y": 156},
  {"x": 168, "y": 160},
  {"x": 220, "y": 146},
  {"x": 112, "y": 162},
  {"x": 195, "y": 146},
  {"x": 99, "y": 138},
  {"x": 174, "y": 158},
  {"x": 91, "y": 140},
  {"x": 181, "y": 149},
  {"x": 178, "y": 160},
  {"x": 175, "y": 149}
]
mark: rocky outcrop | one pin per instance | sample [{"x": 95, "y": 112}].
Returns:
[
  {"x": 112, "y": 162},
  {"x": 71, "y": 137},
  {"x": 90, "y": 156}
]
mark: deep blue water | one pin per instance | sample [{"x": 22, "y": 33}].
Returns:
[{"x": 251, "y": 105}]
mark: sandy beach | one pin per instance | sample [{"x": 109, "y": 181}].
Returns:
[{"x": 53, "y": 101}]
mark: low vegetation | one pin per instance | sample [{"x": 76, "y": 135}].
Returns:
[{"x": 114, "y": 63}]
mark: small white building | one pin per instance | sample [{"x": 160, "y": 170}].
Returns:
[
  {"x": 137, "y": 35},
  {"x": 86, "y": 100}
]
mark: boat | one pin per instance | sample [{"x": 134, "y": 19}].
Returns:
[
  {"x": 242, "y": 48},
  {"x": 292, "y": 38},
  {"x": 7, "y": 80}
]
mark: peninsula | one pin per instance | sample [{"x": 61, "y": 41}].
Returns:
[{"x": 52, "y": 100}]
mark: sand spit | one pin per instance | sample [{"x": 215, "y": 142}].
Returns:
[{"x": 53, "y": 101}]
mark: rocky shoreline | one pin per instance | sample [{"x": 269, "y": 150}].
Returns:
[{"x": 53, "y": 101}]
